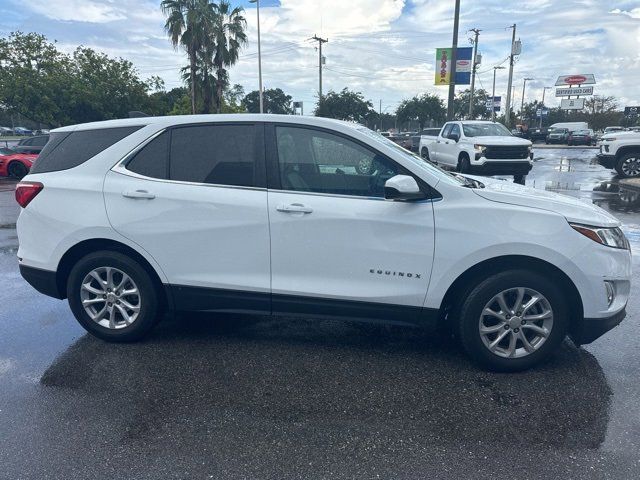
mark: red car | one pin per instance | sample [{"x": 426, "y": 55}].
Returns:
[{"x": 15, "y": 165}]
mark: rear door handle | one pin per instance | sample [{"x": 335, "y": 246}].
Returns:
[
  {"x": 139, "y": 194},
  {"x": 294, "y": 208}
]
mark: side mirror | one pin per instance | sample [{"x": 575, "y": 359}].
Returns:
[
  {"x": 454, "y": 136},
  {"x": 403, "y": 188}
]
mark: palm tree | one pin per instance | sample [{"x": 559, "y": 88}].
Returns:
[
  {"x": 188, "y": 24},
  {"x": 227, "y": 39}
]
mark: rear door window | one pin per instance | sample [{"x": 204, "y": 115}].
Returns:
[
  {"x": 216, "y": 154},
  {"x": 69, "y": 149},
  {"x": 153, "y": 159}
]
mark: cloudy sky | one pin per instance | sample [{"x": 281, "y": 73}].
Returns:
[{"x": 383, "y": 48}]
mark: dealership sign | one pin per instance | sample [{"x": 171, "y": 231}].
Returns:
[
  {"x": 463, "y": 66},
  {"x": 586, "y": 79},
  {"x": 497, "y": 101},
  {"x": 573, "y": 91},
  {"x": 572, "y": 103},
  {"x": 631, "y": 112}
]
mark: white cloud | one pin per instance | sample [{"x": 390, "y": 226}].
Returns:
[{"x": 92, "y": 11}]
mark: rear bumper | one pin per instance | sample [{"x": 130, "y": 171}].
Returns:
[
  {"x": 44, "y": 281},
  {"x": 590, "y": 329},
  {"x": 489, "y": 167},
  {"x": 607, "y": 161}
]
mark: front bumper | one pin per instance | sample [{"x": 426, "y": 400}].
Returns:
[
  {"x": 589, "y": 329},
  {"x": 505, "y": 167},
  {"x": 606, "y": 160}
]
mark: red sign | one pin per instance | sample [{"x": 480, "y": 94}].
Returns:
[{"x": 582, "y": 79}]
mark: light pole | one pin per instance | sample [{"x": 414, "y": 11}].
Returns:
[
  {"x": 544, "y": 90},
  {"x": 493, "y": 94},
  {"x": 257, "y": 2},
  {"x": 524, "y": 85},
  {"x": 454, "y": 57}
]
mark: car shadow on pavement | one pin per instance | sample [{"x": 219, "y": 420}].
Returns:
[{"x": 325, "y": 377}]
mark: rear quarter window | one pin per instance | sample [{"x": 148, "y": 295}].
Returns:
[{"x": 66, "y": 150}]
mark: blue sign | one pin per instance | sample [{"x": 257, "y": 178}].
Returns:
[{"x": 464, "y": 65}]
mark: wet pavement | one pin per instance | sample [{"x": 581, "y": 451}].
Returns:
[{"x": 236, "y": 397}]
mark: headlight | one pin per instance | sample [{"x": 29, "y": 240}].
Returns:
[
  {"x": 608, "y": 139},
  {"x": 611, "y": 237},
  {"x": 480, "y": 148}
]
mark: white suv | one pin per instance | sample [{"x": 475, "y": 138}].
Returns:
[{"x": 309, "y": 216}]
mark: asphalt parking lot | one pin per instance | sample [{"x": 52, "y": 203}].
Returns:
[{"x": 232, "y": 397}]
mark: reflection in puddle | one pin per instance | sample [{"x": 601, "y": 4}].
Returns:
[{"x": 617, "y": 198}]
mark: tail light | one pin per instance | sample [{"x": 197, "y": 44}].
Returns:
[{"x": 27, "y": 191}]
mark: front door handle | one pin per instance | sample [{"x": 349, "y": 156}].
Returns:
[
  {"x": 139, "y": 194},
  {"x": 294, "y": 208}
]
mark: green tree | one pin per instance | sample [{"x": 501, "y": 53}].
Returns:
[
  {"x": 344, "y": 105},
  {"x": 188, "y": 22},
  {"x": 274, "y": 101},
  {"x": 52, "y": 88},
  {"x": 461, "y": 105},
  {"x": 227, "y": 37},
  {"x": 425, "y": 108}
]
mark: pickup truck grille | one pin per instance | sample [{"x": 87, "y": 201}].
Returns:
[{"x": 506, "y": 152}]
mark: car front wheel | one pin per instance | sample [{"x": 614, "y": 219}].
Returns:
[
  {"x": 513, "y": 320},
  {"x": 629, "y": 165},
  {"x": 17, "y": 170},
  {"x": 112, "y": 296}
]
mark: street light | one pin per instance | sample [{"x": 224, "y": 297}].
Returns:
[
  {"x": 524, "y": 85},
  {"x": 493, "y": 95},
  {"x": 257, "y": 2}
]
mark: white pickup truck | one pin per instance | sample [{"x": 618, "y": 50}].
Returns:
[
  {"x": 479, "y": 147},
  {"x": 621, "y": 151}
]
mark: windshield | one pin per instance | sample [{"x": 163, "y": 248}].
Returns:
[
  {"x": 485, "y": 130},
  {"x": 415, "y": 159}
]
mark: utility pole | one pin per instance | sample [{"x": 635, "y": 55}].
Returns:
[
  {"x": 454, "y": 52},
  {"x": 320, "y": 42},
  {"x": 493, "y": 95},
  {"x": 524, "y": 85},
  {"x": 473, "y": 70},
  {"x": 257, "y": 2},
  {"x": 380, "y": 113},
  {"x": 511, "y": 57},
  {"x": 544, "y": 90}
]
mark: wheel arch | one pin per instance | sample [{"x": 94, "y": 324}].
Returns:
[
  {"x": 79, "y": 250},
  {"x": 473, "y": 275},
  {"x": 627, "y": 149}
]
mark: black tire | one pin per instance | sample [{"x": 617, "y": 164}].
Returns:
[
  {"x": 464, "y": 165},
  {"x": 546, "y": 142},
  {"x": 148, "y": 300},
  {"x": 519, "y": 179},
  {"x": 623, "y": 170},
  {"x": 469, "y": 314},
  {"x": 17, "y": 170},
  {"x": 424, "y": 153}
]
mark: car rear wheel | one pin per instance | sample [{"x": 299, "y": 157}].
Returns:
[
  {"x": 513, "y": 320},
  {"x": 17, "y": 170},
  {"x": 112, "y": 296},
  {"x": 629, "y": 165}
]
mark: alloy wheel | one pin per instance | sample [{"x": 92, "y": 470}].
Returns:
[
  {"x": 516, "y": 322},
  {"x": 110, "y": 297},
  {"x": 631, "y": 166}
]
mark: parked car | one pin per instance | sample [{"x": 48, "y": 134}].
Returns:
[
  {"x": 42, "y": 131},
  {"x": 571, "y": 126},
  {"x": 481, "y": 147},
  {"x": 22, "y": 131},
  {"x": 558, "y": 135},
  {"x": 621, "y": 151},
  {"x": 613, "y": 130},
  {"x": 13, "y": 164},
  {"x": 403, "y": 139},
  {"x": 582, "y": 137},
  {"x": 263, "y": 213},
  {"x": 532, "y": 134},
  {"x": 32, "y": 145},
  {"x": 428, "y": 136},
  {"x": 5, "y": 131}
]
